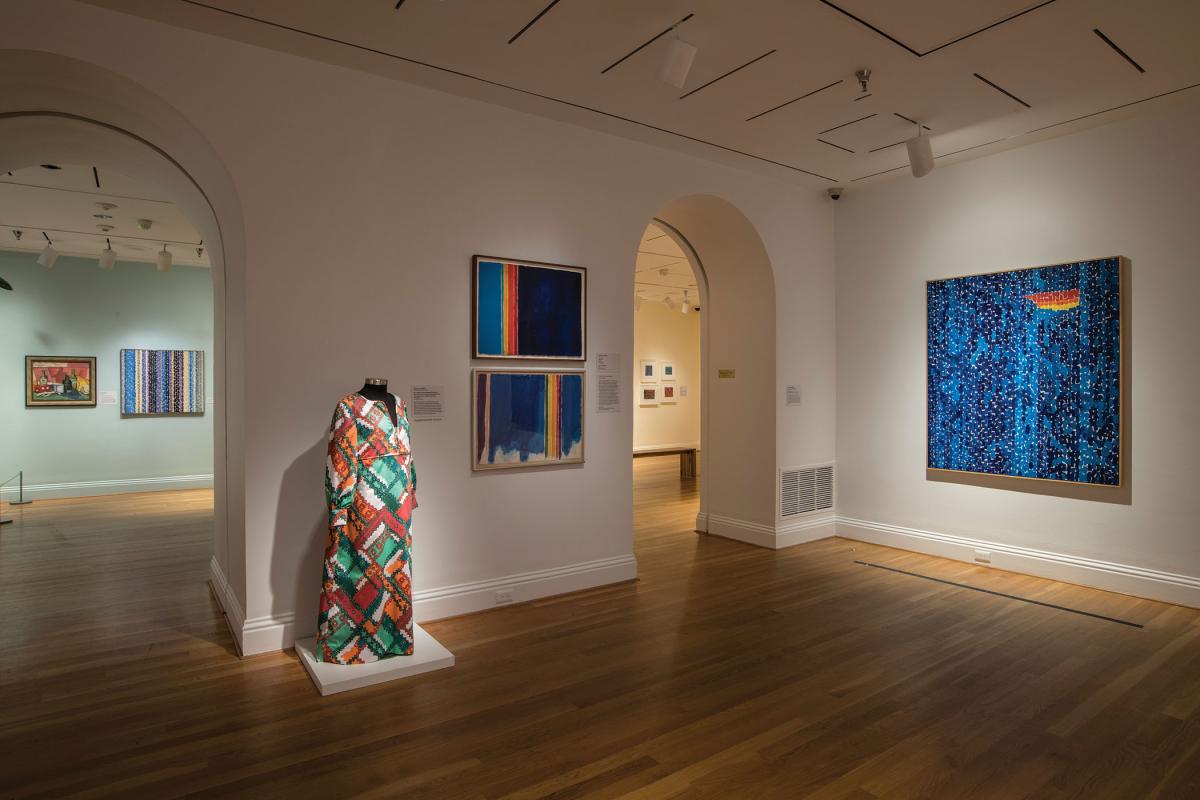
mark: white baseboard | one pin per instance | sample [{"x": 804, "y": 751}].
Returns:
[
  {"x": 277, "y": 632},
  {"x": 773, "y": 537},
  {"x": 702, "y": 522},
  {"x": 227, "y": 600},
  {"x": 1154, "y": 584},
  {"x": 451, "y": 601},
  {"x": 48, "y": 491}
]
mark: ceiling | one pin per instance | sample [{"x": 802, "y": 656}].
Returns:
[
  {"x": 64, "y": 205},
  {"x": 663, "y": 270},
  {"x": 773, "y": 86}
]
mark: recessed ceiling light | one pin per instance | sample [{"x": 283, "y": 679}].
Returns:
[
  {"x": 102, "y": 216},
  {"x": 106, "y": 206},
  {"x": 51, "y": 166}
]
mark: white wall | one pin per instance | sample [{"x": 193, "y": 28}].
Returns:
[
  {"x": 78, "y": 309},
  {"x": 660, "y": 334},
  {"x": 1128, "y": 188},
  {"x": 363, "y": 200}
]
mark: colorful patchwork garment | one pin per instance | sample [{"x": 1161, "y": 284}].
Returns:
[{"x": 370, "y": 483}]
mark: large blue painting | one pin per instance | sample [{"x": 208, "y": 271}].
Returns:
[
  {"x": 527, "y": 419},
  {"x": 529, "y": 310},
  {"x": 1025, "y": 373}
]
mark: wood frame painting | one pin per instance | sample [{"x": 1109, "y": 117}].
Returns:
[
  {"x": 528, "y": 310},
  {"x": 60, "y": 381},
  {"x": 526, "y": 418},
  {"x": 162, "y": 383},
  {"x": 1024, "y": 373}
]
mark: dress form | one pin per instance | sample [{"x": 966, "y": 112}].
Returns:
[{"x": 377, "y": 389}]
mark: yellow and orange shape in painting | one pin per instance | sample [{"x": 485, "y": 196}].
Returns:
[{"x": 1055, "y": 301}]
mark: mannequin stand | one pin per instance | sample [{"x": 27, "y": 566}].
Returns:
[{"x": 428, "y": 655}]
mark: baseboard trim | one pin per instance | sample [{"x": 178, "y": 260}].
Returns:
[
  {"x": 1154, "y": 584},
  {"x": 278, "y": 632},
  {"x": 465, "y": 598},
  {"x": 702, "y": 522},
  {"x": 773, "y": 537},
  {"x": 234, "y": 615},
  {"x": 50, "y": 491}
]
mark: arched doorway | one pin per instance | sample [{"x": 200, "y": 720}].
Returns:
[
  {"x": 737, "y": 358},
  {"x": 64, "y": 110}
]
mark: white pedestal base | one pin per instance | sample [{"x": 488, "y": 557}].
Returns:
[{"x": 428, "y": 655}]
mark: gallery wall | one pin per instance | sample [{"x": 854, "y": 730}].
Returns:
[
  {"x": 77, "y": 309},
  {"x": 664, "y": 335},
  {"x": 1127, "y": 188},
  {"x": 359, "y": 262}
]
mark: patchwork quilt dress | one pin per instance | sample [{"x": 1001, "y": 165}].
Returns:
[{"x": 370, "y": 484}]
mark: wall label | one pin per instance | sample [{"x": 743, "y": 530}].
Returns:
[
  {"x": 726, "y": 374},
  {"x": 793, "y": 396},
  {"x": 428, "y": 404},
  {"x": 608, "y": 379}
]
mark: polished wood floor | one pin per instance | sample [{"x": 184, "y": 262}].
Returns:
[{"x": 726, "y": 671}]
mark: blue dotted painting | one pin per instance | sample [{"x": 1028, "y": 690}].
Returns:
[{"x": 1025, "y": 373}]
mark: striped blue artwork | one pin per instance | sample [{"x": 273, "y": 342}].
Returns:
[
  {"x": 1025, "y": 373},
  {"x": 162, "y": 382}
]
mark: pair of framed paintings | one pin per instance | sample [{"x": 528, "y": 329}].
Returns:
[
  {"x": 527, "y": 310},
  {"x": 154, "y": 383}
]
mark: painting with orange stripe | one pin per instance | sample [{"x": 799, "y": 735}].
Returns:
[
  {"x": 528, "y": 418},
  {"x": 1024, "y": 373},
  {"x": 528, "y": 309}
]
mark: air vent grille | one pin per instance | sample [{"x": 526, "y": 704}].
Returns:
[{"x": 803, "y": 490}]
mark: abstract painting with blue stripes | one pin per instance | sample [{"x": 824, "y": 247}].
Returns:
[
  {"x": 1025, "y": 373},
  {"x": 162, "y": 382},
  {"x": 525, "y": 310}
]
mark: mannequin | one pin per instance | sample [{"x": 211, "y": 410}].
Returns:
[{"x": 377, "y": 389}]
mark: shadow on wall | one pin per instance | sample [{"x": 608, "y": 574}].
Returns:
[
  {"x": 301, "y": 508},
  {"x": 1117, "y": 495}
]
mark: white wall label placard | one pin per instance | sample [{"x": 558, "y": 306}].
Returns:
[
  {"x": 683, "y": 391},
  {"x": 428, "y": 404},
  {"x": 108, "y": 397},
  {"x": 793, "y": 395},
  {"x": 608, "y": 388},
  {"x": 726, "y": 374}
]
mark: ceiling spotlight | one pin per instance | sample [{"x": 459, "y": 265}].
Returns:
[
  {"x": 164, "y": 260},
  {"x": 18, "y": 234},
  {"x": 144, "y": 224},
  {"x": 678, "y": 63},
  {"x": 686, "y": 305},
  {"x": 864, "y": 78},
  {"x": 108, "y": 256},
  {"x": 5, "y": 285},
  {"x": 105, "y": 228},
  {"x": 49, "y": 254},
  {"x": 51, "y": 166},
  {"x": 106, "y": 206},
  {"x": 920, "y": 153},
  {"x": 102, "y": 216},
  {"x": 669, "y": 302}
]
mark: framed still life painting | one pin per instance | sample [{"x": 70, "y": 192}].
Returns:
[
  {"x": 159, "y": 383},
  {"x": 1024, "y": 373},
  {"x": 60, "y": 381},
  {"x": 526, "y": 309},
  {"x": 530, "y": 418}
]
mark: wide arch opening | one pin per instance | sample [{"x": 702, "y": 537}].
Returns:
[{"x": 60, "y": 110}]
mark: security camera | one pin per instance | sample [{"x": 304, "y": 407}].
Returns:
[{"x": 835, "y": 193}]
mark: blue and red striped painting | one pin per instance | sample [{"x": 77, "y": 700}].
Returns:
[
  {"x": 526, "y": 419},
  {"x": 528, "y": 311},
  {"x": 162, "y": 382},
  {"x": 1025, "y": 373}
]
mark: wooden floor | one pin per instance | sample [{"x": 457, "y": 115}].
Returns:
[{"x": 726, "y": 671}]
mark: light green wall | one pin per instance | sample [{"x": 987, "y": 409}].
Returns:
[{"x": 77, "y": 309}]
